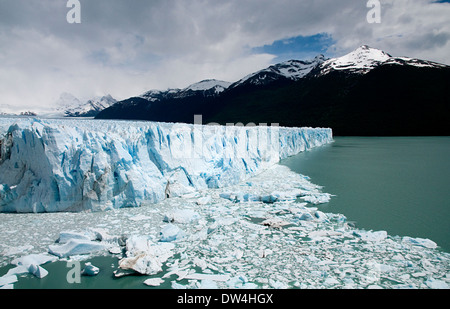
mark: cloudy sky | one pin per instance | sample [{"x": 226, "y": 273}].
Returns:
[{"x": 126, "y": 47}]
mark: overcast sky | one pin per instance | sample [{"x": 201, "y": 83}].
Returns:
[{"x": 126, "y": 47}]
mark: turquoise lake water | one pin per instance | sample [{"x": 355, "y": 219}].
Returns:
[
  {"x": 397, "y": 184},
  {"x": 400, "y": 185}
]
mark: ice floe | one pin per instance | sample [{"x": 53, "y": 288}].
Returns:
[
  {"x": 90, "y": 270},
  {"x": 76, "y": 247}
]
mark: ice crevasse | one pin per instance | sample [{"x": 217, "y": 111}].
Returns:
[{"x": 78, "y": 165}]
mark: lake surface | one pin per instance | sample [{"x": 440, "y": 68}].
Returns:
[{"x": 399, "y": 184}]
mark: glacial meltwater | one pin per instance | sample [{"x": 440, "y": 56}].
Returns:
[{"x": 397, "y": 184}]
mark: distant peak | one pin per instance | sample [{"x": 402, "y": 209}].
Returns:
[{"x": 208, "y": 84}]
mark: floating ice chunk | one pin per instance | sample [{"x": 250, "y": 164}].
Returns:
[
  {"x": 321, "y": 216},
  {"x": 18, "y": 270},
  {"x": 34, "y": 259},
  {"x": 144, "y": 256},
  {"x": 204, "y": 200},
  {"x": 37, "y": 271},
  {"x": 427, "y": 243},
  {"x": 436, "y": 284},
  {"x": 171, "y": 233},
  {"x": 181, "y": 216},
  {"x": 318, "y": 235},
  {"x": 317, "y": 198},
  {"x": 31, "y": 264},
  {"x": 177, "y": 286},
  {"x": 370, "y": 235},
  {"x": 154, "y": 282},
  {"x": 374, "y": 287},
  {"x": 90, "y": 270},
  {"x": 305, "y": 216},
  {"x": 240, "y": 282},
  {"x": 208, "y": 285},
  {"x": 76, "y": 247},
  {"x": 140, "y": 218},
  {"x": 330, "y": 281},
  {"x": 7, "y": 280},
  {"x": 115, "y": 250},
  {"x": 197, "y": 276},
  {"x": 275, "y": 222},
  {"x": 65, "y": 237},
  {"x": 278, "y": 284}
]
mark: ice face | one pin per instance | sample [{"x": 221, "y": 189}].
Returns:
[{"x": 73, "y": 165}]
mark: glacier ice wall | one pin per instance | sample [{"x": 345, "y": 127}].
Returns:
[{"x": 78, "y": 165}]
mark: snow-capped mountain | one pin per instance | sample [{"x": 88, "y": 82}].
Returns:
[
  {"x": 92, "y": 107},
  {"x": 70, "y": 106},
  {"x": 366, "y": 92},
  {"x": 291, "y": 70},
  {"x": 206, "y": 88},
  {"x": 364, "y": 59},
  {"x": 217, "y": 85}
]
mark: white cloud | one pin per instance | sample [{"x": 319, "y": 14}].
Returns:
[{"x": 127, "y": 47}]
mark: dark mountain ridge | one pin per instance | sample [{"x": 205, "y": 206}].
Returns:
[{"x": 365, "y": 93}]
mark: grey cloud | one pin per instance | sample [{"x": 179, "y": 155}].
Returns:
[{"x": 124, "y": 45}]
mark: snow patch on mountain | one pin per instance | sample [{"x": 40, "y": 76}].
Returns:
[
  {"x": 208, "y": 87},
  {"x": 364, "y": 59},
  {"x": 208, "y": 84},
  {"x": 68, "y": 105},
  {"x": 292, "y": 69},
  {"x": 91, "y": 107}
]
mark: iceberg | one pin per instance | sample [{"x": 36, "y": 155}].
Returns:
[
  {"x": 64, "y": 165},
  {"x": 144, "y": 256},
  {"x": 76, "y": 247},
  {"x": 90, "y": 270},
  {"x": 171, "y": 233},
  {"x": 422, "y": 242}
]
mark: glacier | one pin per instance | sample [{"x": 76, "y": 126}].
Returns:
[{"x": 56, "y": 165}]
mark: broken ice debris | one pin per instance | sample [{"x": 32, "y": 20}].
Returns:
[
  {"x": 317, "y": 198},
  {"x": 181, "y": 216},
  {"x": 154, "y": 282},
  {"x": 144, "y": 256},
  {"x": 370, "y": 235},
  {"x": 31, "y": 264},
  {"x": 7, "y": 281},
  {"x": 275, "y": 223},
  {"x": 34, "y": 259},
  {"x": 426, "y": 243},
  {"x": 76, "y": 247},
  {"x": 37, "y": 271},
  {"x": 436, "y": 284},
  {"x": 204, "y": 200},
  {"x": 90, "y": 270},
  {"x": 65, "y": 237},
  {"x": 171, "y": 233}
]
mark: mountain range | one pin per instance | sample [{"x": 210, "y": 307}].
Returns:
[
  {"x": 365, "y": 93},
  {"x": 69, "y": 106}
]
